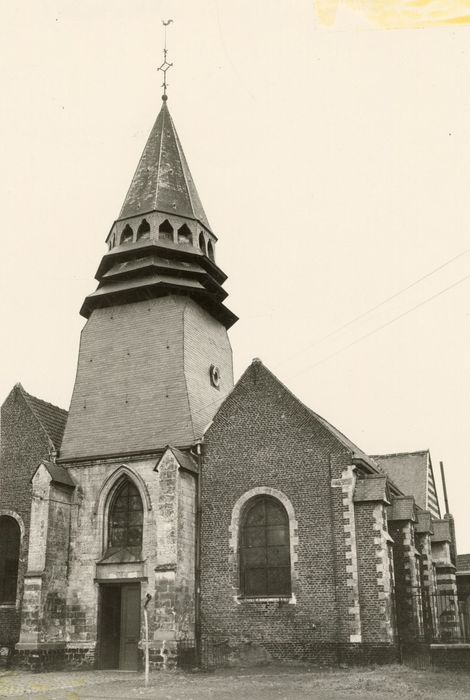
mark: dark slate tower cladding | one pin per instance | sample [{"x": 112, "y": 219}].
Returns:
[{"x": 155, "y": 361}]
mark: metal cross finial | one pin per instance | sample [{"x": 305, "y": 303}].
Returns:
[{"x": 165, "y": 65}]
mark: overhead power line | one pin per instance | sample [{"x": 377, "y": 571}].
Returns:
[
  {"x": 384, "y": 325},
  {"x": 373, "y": 308}
]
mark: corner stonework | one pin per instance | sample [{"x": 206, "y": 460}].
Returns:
[
  {"x": 175, "y": 517},
  {"x": 347, "y": 483}
]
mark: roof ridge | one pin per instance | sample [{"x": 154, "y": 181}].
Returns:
[
  {"x": 47, "y": 403},
  {"x": 180, "y": 154},
  {"x": 164, "y": 110},
  {"x": 346, "y": 442},
  {"x": 51, "y": 418},
  {"x": 399, "y": 454}
]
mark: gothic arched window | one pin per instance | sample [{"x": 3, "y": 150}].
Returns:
[
  {"x": 265, "y": 568},
  {"x": 210, "y": 251},
  {"x": 10, "y": 536},
  {"x": 185, "y": 235},
  {"x": 165, "y": 231},
  {"x": 127, "y": 235},
  {"x": 125, "y": 519},
  {"x": 143, "y": 231}
]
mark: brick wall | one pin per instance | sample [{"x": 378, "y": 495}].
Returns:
[
  {"x": 62, "y": 606},
  {"x": 376, "y": 586},
  {"x": 410, "y": 622},
  {"x": 263, "y": 437},
  {"x": 23, "y": 445}
]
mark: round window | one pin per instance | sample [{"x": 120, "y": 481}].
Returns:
[{"x": 215, "y": 375}]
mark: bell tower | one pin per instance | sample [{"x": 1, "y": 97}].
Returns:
[
  {"x": 155, "y": 360},
  {"x": 116, "y": 512}
]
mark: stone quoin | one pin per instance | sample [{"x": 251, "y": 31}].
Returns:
[{"x": 254, "y": 524}]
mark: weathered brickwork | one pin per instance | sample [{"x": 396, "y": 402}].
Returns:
[
  {"x": 62, "y": 594},
  {"x": 263, "y": 438},
  {"x": 23, "y": 443},
  {"x": 376, "y": 585},
  {"x": 44, "y": 604},
  {"x": 348, "y": 482},
  {"x": 407, "y": 580},
  {"x": 157, "y": 510}
]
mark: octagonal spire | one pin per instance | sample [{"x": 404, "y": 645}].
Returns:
[{"x": 162, "y": 181}]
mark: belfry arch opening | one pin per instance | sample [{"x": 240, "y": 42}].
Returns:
[
  {"x": 185, "y": 235},
  {"x": 202, "y": 243},
  {"x": 210, "y": 251},
  {"x": 127, "y": 235},
  {"x": 143, "y": 232},
  {"x": 165, "y": 231}
]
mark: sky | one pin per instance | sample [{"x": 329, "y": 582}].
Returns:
[{"x": 332, "y": 159}]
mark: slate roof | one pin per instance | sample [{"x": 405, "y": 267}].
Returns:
[
  {"x": 402, "y": 508},
  {"x": 424, "y": 522},
  {"x": 52, "y": 418},
  {"x": 354, "y": 449},
  {"x": 184, "y": 459},
  {"x": 441, "y": 531},
  {"x": 409, "y": 471},
  {"x": 463, "y": 562},
  {"x": 356, "y": 452},
  {"x": 59, "y": 474},
  {"x": 371, "y": 488},
  {"x": 127, "y": 555},
  {"x": 162, "y": 180}
]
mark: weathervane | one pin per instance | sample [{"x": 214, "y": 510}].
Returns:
[{"x": 165, "y": 65}]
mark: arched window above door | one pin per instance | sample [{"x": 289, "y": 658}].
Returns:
[
  {"x": 125, "y": 519},
  {"x": 265, "y": 566},
  {"x": 10, "y": 537}
]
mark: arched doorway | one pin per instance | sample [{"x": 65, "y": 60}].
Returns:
[{"x": 119, "y": 600}]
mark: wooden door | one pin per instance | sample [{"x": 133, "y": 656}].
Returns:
[
  {"x": 109, "y": 626},
  {"x": 130, "y": 626}
]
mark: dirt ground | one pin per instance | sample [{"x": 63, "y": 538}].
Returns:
[{"x": 268, "y": 682}]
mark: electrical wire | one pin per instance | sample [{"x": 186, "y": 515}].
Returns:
[
  {"x": 373, "y": 308},
  {"x": 388, "y": 323}
]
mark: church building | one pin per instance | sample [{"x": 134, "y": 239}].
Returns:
[{"x": 237, "y": 519}]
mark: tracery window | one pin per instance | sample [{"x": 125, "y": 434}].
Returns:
[
  {"x": 10, "y": 536},
  {"x": 265, "y": 567},
  {"x": 125, "y": 519}
]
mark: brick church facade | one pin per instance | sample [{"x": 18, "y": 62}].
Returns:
[{"x": 238, "y": 516}]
